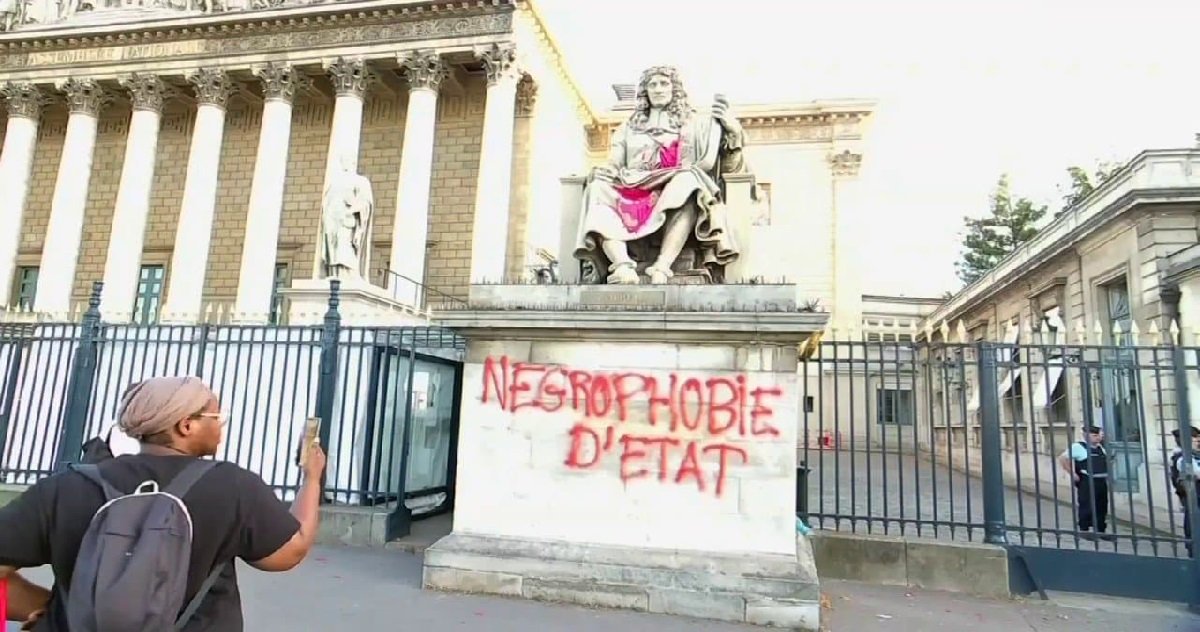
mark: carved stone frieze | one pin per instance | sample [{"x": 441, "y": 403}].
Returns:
[
  {"x": 282, "y": 81},
  {"x": 526, "y": 96},
  {"x": 84, "y": 13},
  {"x": 802, "y": 132},
  {"x": 845, "y": 164},
  {"x": 84, "y": 96},
  {"x": 147, "y": 91},
  {"x": 349, "y": 76},
  {"x": 23, "y": 100},
  {"x": 499, "y": 62},
  {"x": 251, "y": 38},
  {"x": 213, "y": 86},
  {"x": 425, "y": 70}
]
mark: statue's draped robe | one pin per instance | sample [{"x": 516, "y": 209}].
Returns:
[
  {"x": 654, "y": 180},
  {"x": 346, "y": 221}
]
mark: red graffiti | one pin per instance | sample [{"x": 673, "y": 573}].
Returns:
[
  {"x": 718, "y": 404},
  {"x": 718, "y": 409},
  {"x": 671, "y": 459}
]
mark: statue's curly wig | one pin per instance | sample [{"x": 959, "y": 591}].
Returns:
[{"x": 679, "y": 110}]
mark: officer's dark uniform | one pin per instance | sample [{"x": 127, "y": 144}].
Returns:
[
  {"x": 1092, "y": 488},
  {"x": 1177, "y": 482}
]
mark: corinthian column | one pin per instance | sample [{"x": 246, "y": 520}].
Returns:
[
  {"x": 425, "y": 71},
  {"x": 350, "y": 78},
  {"x": 489, "y": 236},
  {"x": 133, "y": 197},
  {"x": 189, "y": 260},
  {"x": 60, "y": 253},
  {"x": 257, "y": 277},
  {"x": 24, "y": 101}
]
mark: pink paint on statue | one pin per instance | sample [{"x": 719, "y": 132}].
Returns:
[
  {"x": 635, "y": 206},
  {"x": 668, "y": 156}
]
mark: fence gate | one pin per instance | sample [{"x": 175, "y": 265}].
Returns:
[{"x": 981, "y": 442}]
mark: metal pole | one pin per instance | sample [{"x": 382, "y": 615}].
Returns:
[
  {"x": 399, "y": 522},
  {"x": 993, "y": 469},
  {"x": 327, "y": 380},
  {"x": 1187, "y": 471},
  {"x": 83, "y": 377}
]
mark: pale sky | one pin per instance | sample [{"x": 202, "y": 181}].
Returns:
[{"x": 967, "y": 89}]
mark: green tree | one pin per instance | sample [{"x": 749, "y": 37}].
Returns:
[
  {"x": 1081, "y": 183},
  {"x": 1011, "y": 222}
]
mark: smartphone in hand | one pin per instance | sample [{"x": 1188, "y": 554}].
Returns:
[{"x": 312, "y": 432}]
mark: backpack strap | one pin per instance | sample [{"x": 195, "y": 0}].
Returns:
[
  {"x": 194, "y": 605},
  {"x": 190, "y": 475},
  {"x": 92, "y": 473}
]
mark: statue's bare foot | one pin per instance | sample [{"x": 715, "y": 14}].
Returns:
[
  {"x": 658, "y": 276},
  {"x": 624, "y": 274}
]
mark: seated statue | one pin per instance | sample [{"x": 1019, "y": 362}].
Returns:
[{"x": 656, "y": 208}]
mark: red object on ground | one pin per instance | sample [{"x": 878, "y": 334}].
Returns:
[{"x": 3, "y": 602}]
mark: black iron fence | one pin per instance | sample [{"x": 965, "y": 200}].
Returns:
[
  {"x": 988, "y": 442},
  {"x": 386, "y": 396}
]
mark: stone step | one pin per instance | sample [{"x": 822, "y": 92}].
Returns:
[{"x": 751, "y": 588}]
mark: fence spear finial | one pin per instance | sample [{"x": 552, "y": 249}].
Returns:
[{"x": 1155, "y": 334}]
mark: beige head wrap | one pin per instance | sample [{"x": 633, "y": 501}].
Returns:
[{"x": 156, "y": 404}]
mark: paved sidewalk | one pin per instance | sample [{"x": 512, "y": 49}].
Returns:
[
  {"x": 854, "y": 607},
  {"x": 370, "y": 589}
]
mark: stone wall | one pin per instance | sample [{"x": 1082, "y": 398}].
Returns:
[
  {"x": 242, "y": 127},
  {"x": 452, "y": 197},
  {"x": 594, "y": 452}
]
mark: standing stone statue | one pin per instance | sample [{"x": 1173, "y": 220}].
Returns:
[
  {"x": 10, "y": 14},
  {"x": 346, "y": 216},
  {"x": 659, "y": 195}
]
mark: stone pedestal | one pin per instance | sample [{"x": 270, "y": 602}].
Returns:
[
  {"x": 646, "y": 439},
  {"x": 361, "y": 304}
]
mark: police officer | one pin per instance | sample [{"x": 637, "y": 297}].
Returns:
[
  {"x": 1178, "y": 469},
  {"x": 1087, "y": 463}
]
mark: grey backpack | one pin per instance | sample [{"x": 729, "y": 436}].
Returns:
[{"x": 132, "y": 569}]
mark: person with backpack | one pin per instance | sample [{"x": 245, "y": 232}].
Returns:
[{"x": 148, "y": 541}]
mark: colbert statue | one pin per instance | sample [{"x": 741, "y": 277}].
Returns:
[
  {"x": 346, "y": 216},
  {"x": 659, "y": 195}
]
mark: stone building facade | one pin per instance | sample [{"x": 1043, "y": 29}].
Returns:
[
  {"x": 1109, "y": 280},
  {"x": 180, "y": 156}
]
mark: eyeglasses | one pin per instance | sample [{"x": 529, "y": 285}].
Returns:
[{"x": 222, "y": 417}]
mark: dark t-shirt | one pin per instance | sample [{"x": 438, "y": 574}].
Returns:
[{"x": 234, "y": 514}]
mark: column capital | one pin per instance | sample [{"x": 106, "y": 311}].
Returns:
[
  {"x": 148, "y": 91},
  {"x": 23, "y": 99},
  {"x": 84, "y": 96},
  {"x": 425, "y": 69},
  {"x": 527, "y": 91},
  {"x": 212, "y": 85},
  {"x": 281, "y": 81},
  {"x": 350, "y": 76},
  {"x": 845, "y": 164},
  {"x": 500, "y": 62}
]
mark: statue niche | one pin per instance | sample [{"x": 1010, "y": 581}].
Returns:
[{"x": 655, "y": 211}]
